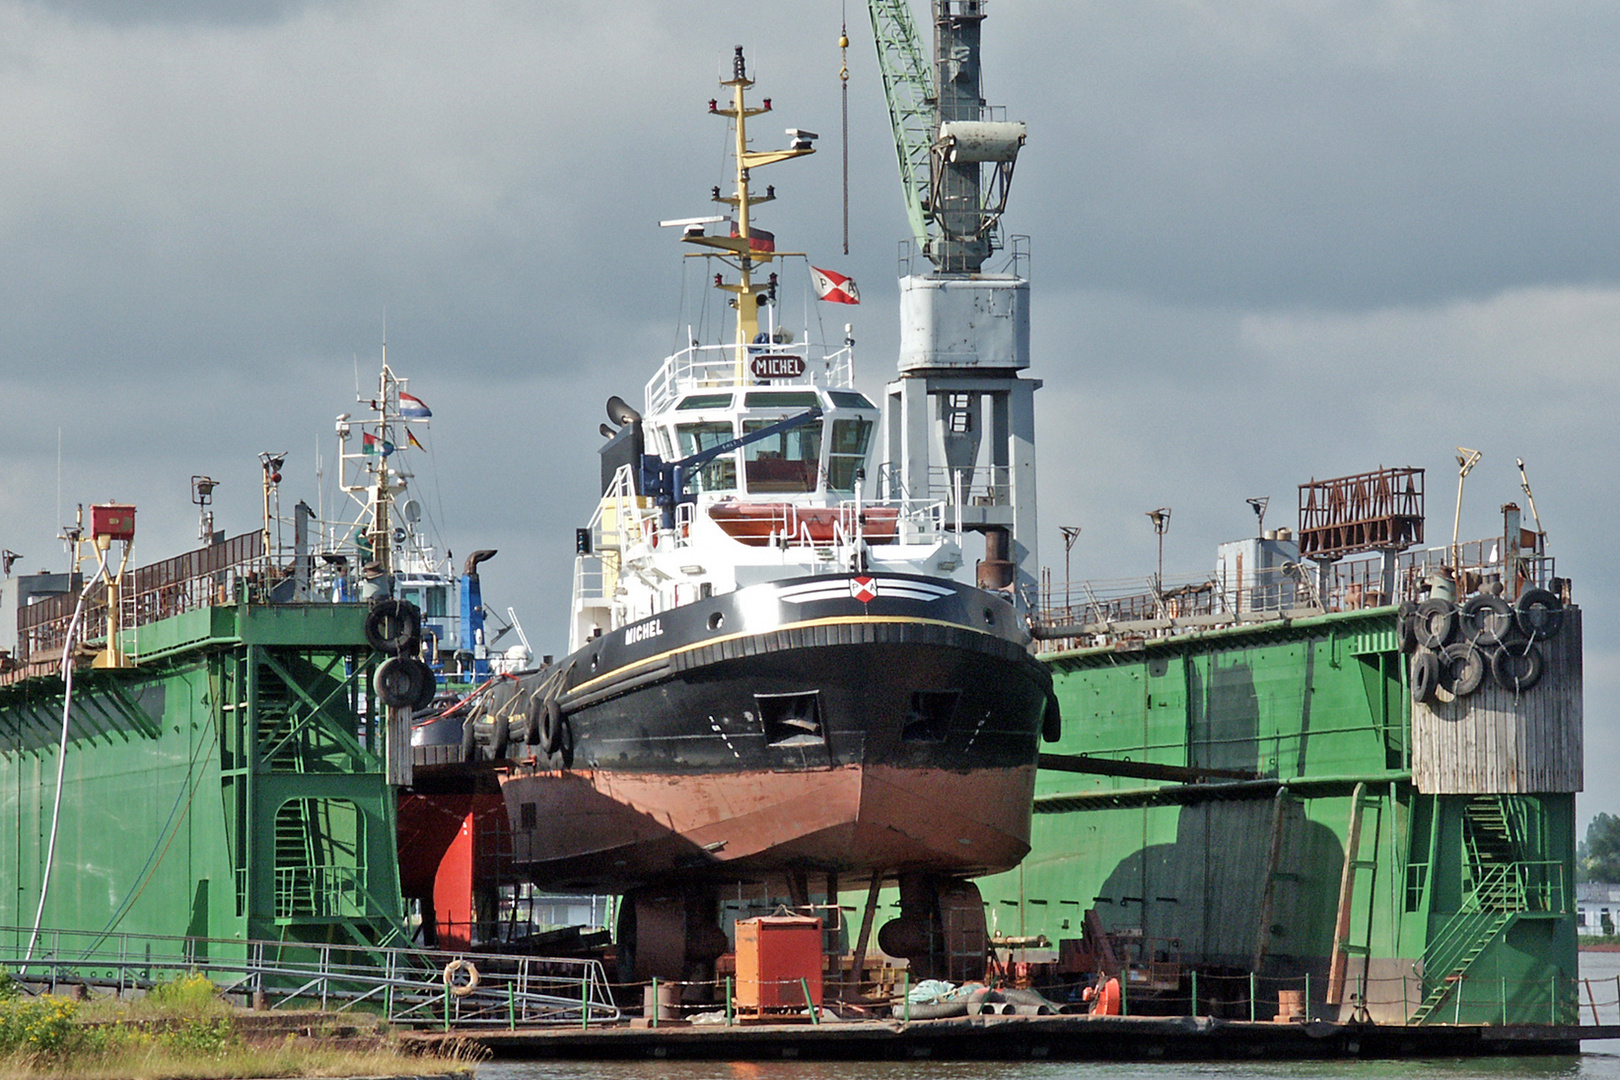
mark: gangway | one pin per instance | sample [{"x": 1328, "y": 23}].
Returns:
[{"x": 411, "y": 987}]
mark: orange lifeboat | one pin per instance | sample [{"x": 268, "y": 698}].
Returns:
[{"x": 754, "y": 523}]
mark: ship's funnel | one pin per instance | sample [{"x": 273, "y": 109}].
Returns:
[{"x": 620, "y": 412}]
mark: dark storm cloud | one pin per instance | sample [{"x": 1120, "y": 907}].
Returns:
[
  {"x": 1272, "y": 240},
  {"x": 175, "y": 12}
]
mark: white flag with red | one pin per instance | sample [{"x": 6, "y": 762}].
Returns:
[{"x": 831, "y": 285}]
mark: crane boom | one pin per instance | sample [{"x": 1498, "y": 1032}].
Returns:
[{"x": 908, "y": 87}]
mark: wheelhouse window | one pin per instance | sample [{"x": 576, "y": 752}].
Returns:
[
  {"x": 719, "y": 474},
  {"x": 785, "y": 463},
  {"x": 847, "y": 452}
]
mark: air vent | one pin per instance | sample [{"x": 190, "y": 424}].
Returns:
[
  {"x": 791, "y": 719},
  {"x": 930, "y": 717}
]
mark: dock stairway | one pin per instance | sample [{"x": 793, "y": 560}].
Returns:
[{"x": 1497, "y": 897}]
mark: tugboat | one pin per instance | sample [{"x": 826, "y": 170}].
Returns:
[{"x": 770, "y": 672}]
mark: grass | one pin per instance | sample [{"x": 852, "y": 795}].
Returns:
[{"x": 184, "y": 1029}]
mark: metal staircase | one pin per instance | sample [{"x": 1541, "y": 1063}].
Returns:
[{"x": 1495, "y": 899}]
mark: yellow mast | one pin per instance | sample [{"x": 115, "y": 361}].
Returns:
[{"x": 746, "y": 299}]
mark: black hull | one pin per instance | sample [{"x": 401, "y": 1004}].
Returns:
[{"x": 845, "y": 735}]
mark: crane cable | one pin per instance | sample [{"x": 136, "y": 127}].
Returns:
[{"x": 843, "y": 78}]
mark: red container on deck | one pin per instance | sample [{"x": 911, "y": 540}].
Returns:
[
  {"x": 115, "y": 521},
  {"x": 774, "y": 954}
]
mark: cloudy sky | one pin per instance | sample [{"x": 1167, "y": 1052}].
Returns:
[{"x": 1273, "y": 240}]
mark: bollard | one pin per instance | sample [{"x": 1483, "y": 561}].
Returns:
[
  {"x": 655, "y": 1009},
  {"x": 511, "y": 1008},
  {"x": 1124, "y": 994},
  {"x": 1252, "y": 991},
  {"x": 905, "y": 993},
  {"x": 1307, "y": 997},
  {"x": 728, "y": 1001},
  {"x": 1194, "y": 1010}
]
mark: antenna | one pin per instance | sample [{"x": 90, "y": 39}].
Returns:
[
  {"x": 1524, "y": 482},
  {"x": 1466, "y": 460}
]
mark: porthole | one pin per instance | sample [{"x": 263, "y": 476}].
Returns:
[
  {"x": 717, "y": 620},
  {"x": 989, "y": 616}
]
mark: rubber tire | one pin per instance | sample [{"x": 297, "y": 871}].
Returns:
[
  {"x": 430, "y": 684},
  {"x": 532, "y": 719},
  {"x": 1406, "y": 626},
  {"x": 1462, "y": 667},
  {"x": 398, "y": 681},
  {"x": 551, "y": 726},
  {"x": 394, "y": 627},
  {"x": 500, "y": 735},
  {"x": 1425, "y": 674},
  {"x": 1435, "y": 623},
  {"x": 1540, "y": 614},
  {"x": 1517, "y": 669},
  {"x": 566, "y": 750},
  {"x": 1487, "y": 620}
]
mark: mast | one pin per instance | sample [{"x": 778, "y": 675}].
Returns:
[{"x": 746, "y": 298}]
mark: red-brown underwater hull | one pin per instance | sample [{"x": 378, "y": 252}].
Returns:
[{"x": 603, "y": 829}]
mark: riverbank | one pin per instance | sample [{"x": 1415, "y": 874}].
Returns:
[{"x": 184, "y": 1029}]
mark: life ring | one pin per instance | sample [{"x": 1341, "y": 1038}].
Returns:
[
  {"x": 1540, "y": 614},
  {"x": 460, "y": 977},
  {"x": 1462, "y": 667},
  {"x": 398, "y": 681},
  {"x": 1425, "y": 674},
  {"x": 1434, "y": 623},
  {"x": 1487, "y": 620},
  {"x": 551, "y": 726},
  {"x": 1517, "y": 669},
  {"x": 394, "y": 627}
]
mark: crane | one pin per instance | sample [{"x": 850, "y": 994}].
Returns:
[
  {"x": 941, "y": 141},
  {"x": 908, "y": 86}
]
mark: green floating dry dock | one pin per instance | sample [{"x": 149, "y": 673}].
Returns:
[{"x": 1022, "y": 1038}]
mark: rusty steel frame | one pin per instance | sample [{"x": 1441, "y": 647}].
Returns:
[{"x": 1372, "y": 511}]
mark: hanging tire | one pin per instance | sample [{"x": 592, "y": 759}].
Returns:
[
  {"x": 1487, "y": 620},
  {"x": 1434, "y": 623},
  {"x": 1540, "y": 614},
  {"x": 1051, "y": 719},
  {"x": 1406, "y": 626},
  {"x": 566, "y": 748},
  {"x": 430, "y": 684},
  {"x": 1425, "y": 673},
  {"x": 551, "y": 726},
  {"x": 394, "y": 627},
  {"x": 1517, "y": 667},
  {"x": 398, "y": 681},
  {"x": 1462, "y": 667},
  {"x": 501, "y": 735}
]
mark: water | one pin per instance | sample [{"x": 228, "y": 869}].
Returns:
[{"x": 1598, "y": 1061}]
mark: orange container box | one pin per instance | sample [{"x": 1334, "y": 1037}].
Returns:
[{"x": 774, "y": 953}]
